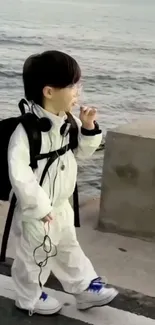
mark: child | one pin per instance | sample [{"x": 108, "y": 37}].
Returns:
[{"x": 51, "y": 83}]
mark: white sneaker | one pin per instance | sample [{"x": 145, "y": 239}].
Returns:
[
  {"x": 97, "y": 295},
  {"x": 45, "y": 306}
]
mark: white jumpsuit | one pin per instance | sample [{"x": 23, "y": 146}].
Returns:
[{"x": 72, "y": 268}]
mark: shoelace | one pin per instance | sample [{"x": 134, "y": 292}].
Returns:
[
  {"x": 97, "y": 284},
  {"x": 43, "y": 296}
]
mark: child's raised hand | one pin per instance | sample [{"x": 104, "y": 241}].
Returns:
[{"x": 88, "y": 116}]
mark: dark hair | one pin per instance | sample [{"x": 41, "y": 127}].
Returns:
[{"x": 50, "y": 68}]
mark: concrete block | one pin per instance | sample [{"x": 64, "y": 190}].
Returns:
[{"x": 128, "y": 183}]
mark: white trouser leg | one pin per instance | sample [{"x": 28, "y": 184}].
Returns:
[
  {"x": 25, "y": 274},
  {"x": 72, "y": 268}
]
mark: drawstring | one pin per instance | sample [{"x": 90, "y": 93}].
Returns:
[
  {"x": 44, "y": 245},
  {"x": 31, "y": 312}
]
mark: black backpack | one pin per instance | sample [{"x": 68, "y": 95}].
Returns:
[{"x": 30, "y": 124}]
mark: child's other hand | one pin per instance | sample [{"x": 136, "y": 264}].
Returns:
[
  {"x": 88, "y": 116},
  {"x": 48, "y": 218}
]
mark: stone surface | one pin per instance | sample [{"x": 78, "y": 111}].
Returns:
[
  {"x": 129, "y": 308},
  {"x": 128, "y": 184}
]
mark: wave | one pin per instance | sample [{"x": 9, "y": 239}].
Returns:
[
  {"x": 10, "y": 74},
  {"x": 99, "y": 77},
  {"x": 22, "y": 40},
  {"x": 101, "y": 45},
  {"x": 148, "y": 80},
  {"x": 135, "y": 79}
]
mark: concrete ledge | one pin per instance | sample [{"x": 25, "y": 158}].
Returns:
[{"x": 128, "y": 184}]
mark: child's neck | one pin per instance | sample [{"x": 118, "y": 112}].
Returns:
[{"x": 51, "y": 109}]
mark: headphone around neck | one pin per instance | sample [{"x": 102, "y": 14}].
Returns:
[{"x": 44, "y": 123}]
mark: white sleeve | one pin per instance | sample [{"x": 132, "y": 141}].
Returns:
[
  {"x": 31, "y": 197},
  {"x": 88, "y": 141}
]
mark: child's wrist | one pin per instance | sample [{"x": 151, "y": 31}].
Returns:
[{"x": 88, "y": 126}]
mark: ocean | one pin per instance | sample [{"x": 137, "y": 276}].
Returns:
[{"x": 114, "y": 43}]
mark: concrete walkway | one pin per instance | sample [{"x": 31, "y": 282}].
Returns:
[
  {"x": 126, "y": 262},
  {"x": 108, "y": 315}
]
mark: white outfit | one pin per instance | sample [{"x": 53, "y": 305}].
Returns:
[{"x": 70, "y": 266}]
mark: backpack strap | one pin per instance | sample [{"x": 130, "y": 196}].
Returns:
[
  {"x": 23, "y": 102},
  {"x": 7, "y": 229},
  {"x": 73, "y": 140},
  {"x": 73, "y": 133},
  {"x": 52, "y": 156},
  {"x": 30, "y": 124}
]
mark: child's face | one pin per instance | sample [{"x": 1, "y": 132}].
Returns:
[{"x": 66, "y": 98}]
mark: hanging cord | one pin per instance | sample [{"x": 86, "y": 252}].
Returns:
[
  {"x": 47, "y": 240},
  {"x": 47, "y": 247}
]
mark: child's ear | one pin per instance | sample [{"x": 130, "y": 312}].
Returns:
[{"x": 48, "y": 92}]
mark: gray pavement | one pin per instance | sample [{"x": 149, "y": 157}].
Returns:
[{"x": 9, "y": 315}]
